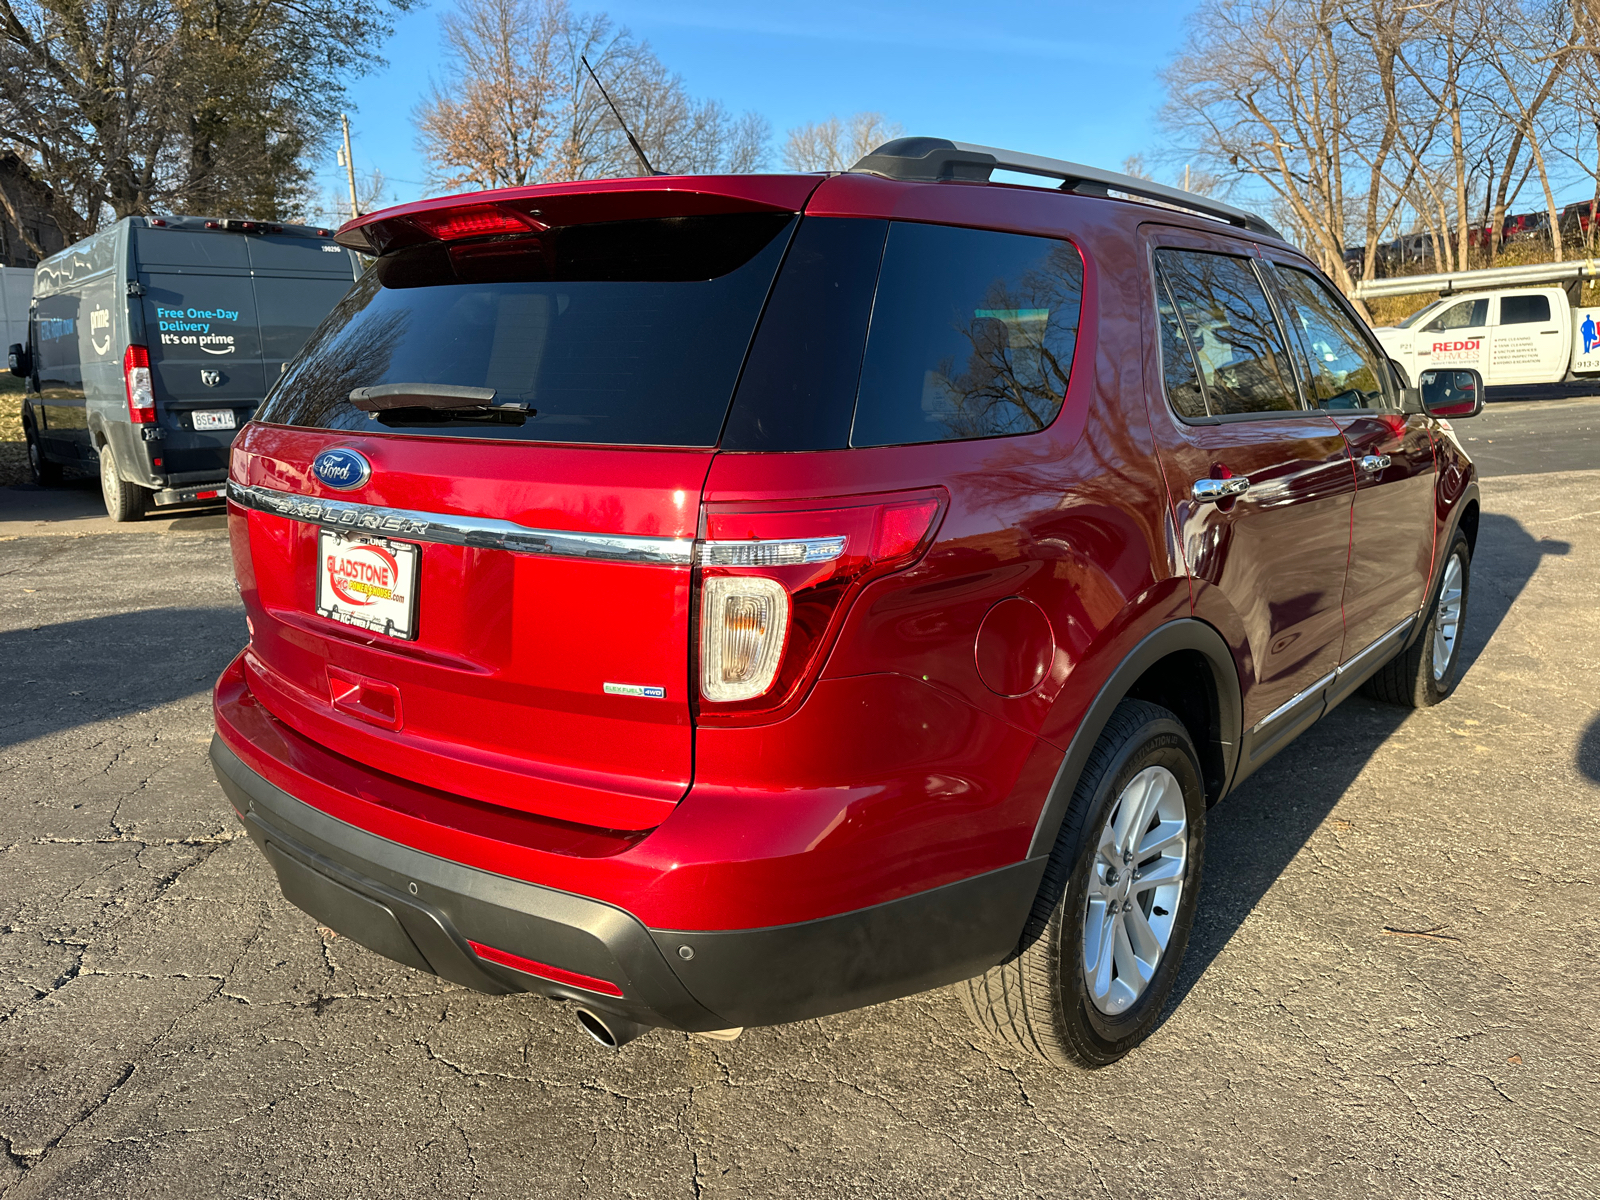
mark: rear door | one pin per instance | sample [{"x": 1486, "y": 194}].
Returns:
[
  {"x": 1391, "y": 551},
  {"x": 1277, "y": 551},
  {"x": 297, "y": 281},
  {"x": 200, "y": 319},
  {"x": 1530, "y": 342},
  {"x": 544, "y": 661}
]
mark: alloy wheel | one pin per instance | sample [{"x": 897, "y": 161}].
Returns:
[
  {"x": 1447, "y": 621},
  {"x": 1134, "y": 889}
]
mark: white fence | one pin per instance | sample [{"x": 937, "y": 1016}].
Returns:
[{"x": 16, "y": 290}]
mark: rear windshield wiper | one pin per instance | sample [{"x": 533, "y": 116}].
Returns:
[{"x": 387, "y": 396}]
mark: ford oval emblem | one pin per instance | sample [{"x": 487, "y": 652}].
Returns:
[{"x": 342, "y": 469}]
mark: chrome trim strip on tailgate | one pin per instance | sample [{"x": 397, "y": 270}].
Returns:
[{"x": 451, "y": 530}]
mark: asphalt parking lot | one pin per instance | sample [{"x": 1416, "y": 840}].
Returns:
[{"x": 1390, "y": 989}]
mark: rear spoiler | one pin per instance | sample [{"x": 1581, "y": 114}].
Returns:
[{"x": 549, "y": 205}]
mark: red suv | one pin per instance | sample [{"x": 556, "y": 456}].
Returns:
[{"x": 722, "y": 601}]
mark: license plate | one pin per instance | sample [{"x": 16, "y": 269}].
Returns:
[
  {"x": 214, "y": 418},
  {"x": 369, "y": 582}
]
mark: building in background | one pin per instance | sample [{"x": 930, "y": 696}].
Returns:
[{"x": 31, "y": 199}]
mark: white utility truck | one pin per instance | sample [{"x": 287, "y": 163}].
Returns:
[{"x": 1512, "y": 335}]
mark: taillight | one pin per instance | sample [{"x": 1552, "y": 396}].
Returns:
[
  {"x": 743, "y": 621},
  {"x": 775, "y": 585},
  {"x": 477, "y": 220},
  {"x": 136, "y": 379}
]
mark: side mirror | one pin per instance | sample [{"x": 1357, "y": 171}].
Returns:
[
  {"x": 1452, "y": 392},
  {"x": 17, "y": 359}
]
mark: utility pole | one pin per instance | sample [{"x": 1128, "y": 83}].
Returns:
[
  {"x": 1185, "y": 168},
  {"x": 350, "y": 167}
]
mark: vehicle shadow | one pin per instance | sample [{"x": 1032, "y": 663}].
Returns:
[
  {"x": 1589, "y": 751},
  {"x": 1505, "y": 559},
  {"x": 1255, "y": 833},
  {"x": 55, "y": 677}
]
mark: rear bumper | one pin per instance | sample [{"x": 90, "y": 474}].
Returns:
[
  {"x": 185, "y": 495},
  {"x": 427, "y": 911}
]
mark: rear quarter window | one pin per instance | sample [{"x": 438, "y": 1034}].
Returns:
[{"x": 972, "y": 336}]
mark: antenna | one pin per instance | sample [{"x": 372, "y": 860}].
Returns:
[{"x": 626, "y": 132}]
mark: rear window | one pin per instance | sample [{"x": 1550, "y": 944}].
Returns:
[
  {"x": 1524, "y": 310},
  {"x": 303, "y": 255},
  {"x": 190, "y": 248},
  {"x": 619, "y": 333}
]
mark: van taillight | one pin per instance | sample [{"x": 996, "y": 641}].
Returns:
[
  {"x": 136, "y": 379},
  {"x": 775, "y": 585}
]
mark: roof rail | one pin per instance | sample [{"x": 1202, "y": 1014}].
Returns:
[{"x": 929, "y": 159}]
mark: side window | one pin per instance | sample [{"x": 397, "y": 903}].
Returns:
[
  {"x": 1469, "y": 314},
  {"x": 60, "y": 335},
  {"x": 1236, "y": 340},
  {"x": 1524, "y": 310},
  {"x": 972, "y": 336},
  {"x": 1342, "y": 370},
  {"x": 1177, "y": 363}
]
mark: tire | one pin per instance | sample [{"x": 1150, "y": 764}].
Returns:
[
  {"x": 46, "y": 472},
  {"x": 1428, "y": 670},
  {"x": 124, "y": 501},
  {"x": 1044, "y": 999}
]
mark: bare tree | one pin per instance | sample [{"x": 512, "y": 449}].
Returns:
[
  {"x": 1277, "y": 92},
  {"x": 130, "y": 106},
  {"x": 517, "y": 105},
  {"x": 834, "y": 145},
  {"x": 1364, "y": 118},
  {"x": 492, "y": 123},
  {"x": 1529, "y": 61}
]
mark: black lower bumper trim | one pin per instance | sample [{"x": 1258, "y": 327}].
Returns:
[
  {"x": 923, "y": 941},
  {"x": 409, "y": 905},
  {"x": 421, "y": 910}
]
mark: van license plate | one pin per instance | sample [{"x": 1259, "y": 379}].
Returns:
[
  {"x": 214, "y": 418},
  {"x": 368, "y": 582}
]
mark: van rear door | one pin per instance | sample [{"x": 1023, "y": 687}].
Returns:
[
  {"x": 224, "y": 312},
  {"x": 297, "y": 281},
  {"x": 495, "y": 600},
  {"x": 200, "y": 319}
]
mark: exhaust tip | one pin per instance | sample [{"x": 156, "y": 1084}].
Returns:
[{"x": 608, "y": 1030}]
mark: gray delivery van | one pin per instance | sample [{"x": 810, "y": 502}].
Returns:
[{"x": 151, "y": 342}]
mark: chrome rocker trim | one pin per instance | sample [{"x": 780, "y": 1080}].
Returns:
[
  {"x": 447, "y": 529},
  {"x": 1387, "y": 641}
]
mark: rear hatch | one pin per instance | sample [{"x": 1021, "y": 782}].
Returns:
[
  {"x": 224, "y": 312},
  {"x": 541, "y": 659}
]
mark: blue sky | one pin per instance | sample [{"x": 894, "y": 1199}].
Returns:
[{"x": 1070, "y": 80}]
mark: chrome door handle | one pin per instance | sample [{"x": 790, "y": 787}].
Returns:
[
  {"x": 1208, "y": 490},
  {"x": 1375, "y": 462}
]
